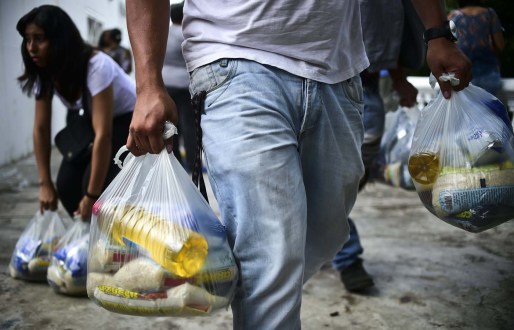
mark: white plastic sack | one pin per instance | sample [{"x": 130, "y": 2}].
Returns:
[
  {"x": 31, "y": 256},
  {"x": 156, "y": 246},
  {"x": 462, "y": 160},
  {"x": 67, "y": 272},
  {"x": 390, "y": 166}
]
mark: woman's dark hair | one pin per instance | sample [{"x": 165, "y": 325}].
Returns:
[
  {"x": 101, "y": 41},
  {"x": 68, "y": 56},
  {"x": 116, "y": 35},
  {"x": 177, "y": 13}
]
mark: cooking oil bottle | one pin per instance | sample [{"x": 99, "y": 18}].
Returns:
[
  {"x": 424, "y": 167},
  {"x": 179, "y": 250}
]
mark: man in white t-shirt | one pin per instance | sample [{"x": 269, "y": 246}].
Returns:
[{"x": 282, "y": 128}]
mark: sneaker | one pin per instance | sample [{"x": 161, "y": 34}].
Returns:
[{"x": 355, "y": 278}]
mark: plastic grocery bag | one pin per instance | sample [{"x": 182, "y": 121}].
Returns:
[
  {"x": 462, "y": 159},
  {"x": 390, "y": 166},
  {"x": 156, "y": 246},
  {"x": 33, "y": 250},
  {"x": 67, "y": 272}
]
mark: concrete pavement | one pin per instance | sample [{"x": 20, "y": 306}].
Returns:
[{"x": 428, "y": 274}]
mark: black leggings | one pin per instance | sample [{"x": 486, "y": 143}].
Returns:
[{"x": 73, "y": 179}]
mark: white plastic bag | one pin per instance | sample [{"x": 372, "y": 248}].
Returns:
[
  {"x": 390, "y": 166},
  {"x": 67, "y": 272},
  {"x": 156, "y": 246},
  {"x": 462, "y": 160},
  {"x": 31, "y": 256}
]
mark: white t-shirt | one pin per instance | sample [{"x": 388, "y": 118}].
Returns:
[
  {"x": 103, "y": 71},
  {"x": 316, "y": 39},
  {"x": 174, "y": 71}
]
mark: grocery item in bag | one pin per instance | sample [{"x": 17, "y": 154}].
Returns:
[{"x": 179, "y": 250}]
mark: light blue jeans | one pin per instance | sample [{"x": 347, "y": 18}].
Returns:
[{"x": 284, "y": 161}]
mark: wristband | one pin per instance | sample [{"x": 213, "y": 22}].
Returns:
[
  {"x": 448, "y": 30},
  {"x": 94, "y": 197}
]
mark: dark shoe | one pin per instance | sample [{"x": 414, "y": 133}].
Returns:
[{"x": 355, "y": 278}]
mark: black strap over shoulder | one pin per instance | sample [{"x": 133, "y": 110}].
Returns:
[{"x": 198, "y": 102}]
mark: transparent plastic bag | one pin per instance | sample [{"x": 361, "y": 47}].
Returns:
[
  {"x": 156, "y": 246},
  {"x": 462, "y": 160},
  {"x": 390, "y": 166},
  {"x": 67, "y": 272},
  {"x": 33, "y": 250}
]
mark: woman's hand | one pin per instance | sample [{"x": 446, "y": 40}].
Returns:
[{"x": 47, "y": 197}]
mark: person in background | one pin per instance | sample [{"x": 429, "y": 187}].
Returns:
[
  {"x": 176, "y": 79},
  {"x": 110, "y": 43},
  {"x": 59, "y": 63},
  {"x": 392, "y": 34},
  {"x": 480, "y": 37},
  {"x": 278, "y": 89}
]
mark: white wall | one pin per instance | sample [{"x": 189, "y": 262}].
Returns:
[{"x": 16, "y": 109}]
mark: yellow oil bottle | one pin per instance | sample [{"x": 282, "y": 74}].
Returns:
[{"x": 179, "y": 250}]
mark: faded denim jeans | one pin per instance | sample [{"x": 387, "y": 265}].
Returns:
[{"x": 283, "y": 155}]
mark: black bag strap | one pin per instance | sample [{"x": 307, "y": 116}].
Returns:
[
  {"x": 86, "y": 97},
  {"x": 86, "y": 105},
  {"x": 198, "y": 102}
]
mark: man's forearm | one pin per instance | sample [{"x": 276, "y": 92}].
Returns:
[
  {"x": 148, "y": 23},
  {"x": 431, "y": 12}
]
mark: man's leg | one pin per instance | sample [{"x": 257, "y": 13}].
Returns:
[
  {"x": 254, "y": 118},
  {"x": 250, "y": 131}
]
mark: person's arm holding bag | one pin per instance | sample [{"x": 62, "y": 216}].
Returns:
[
  {"x": 148, "y": 23},
  {"x": 443, "y": 55}
]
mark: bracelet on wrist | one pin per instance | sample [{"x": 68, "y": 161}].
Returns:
[{"x": 94, "y": 197}]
